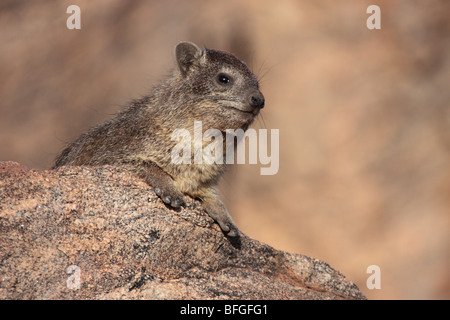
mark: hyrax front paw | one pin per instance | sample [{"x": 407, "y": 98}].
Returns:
[
  {"x": 216, "y": 210},
  {"x": 171, "y": 197}
]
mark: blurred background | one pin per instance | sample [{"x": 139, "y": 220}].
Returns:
[{"x": 364, "y": 115}]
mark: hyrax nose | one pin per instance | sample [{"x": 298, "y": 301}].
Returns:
[{"x": 257, "y": 100}]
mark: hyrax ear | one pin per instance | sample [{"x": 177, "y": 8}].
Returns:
[{"x": 187, "y": 53}]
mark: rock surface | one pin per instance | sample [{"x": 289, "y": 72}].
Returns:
[{"x": 101, "y": 233}]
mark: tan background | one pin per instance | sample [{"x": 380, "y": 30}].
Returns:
[{"x": 363, "y": 115}]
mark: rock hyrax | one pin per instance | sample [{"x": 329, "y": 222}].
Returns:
[{"x": 210, "y": 86}]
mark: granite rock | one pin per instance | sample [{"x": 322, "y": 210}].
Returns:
[{"x": 102, "y": 233}]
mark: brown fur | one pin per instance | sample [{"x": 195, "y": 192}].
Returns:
[{"x": 139, "y": 138}]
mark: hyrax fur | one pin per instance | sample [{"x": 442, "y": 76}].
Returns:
[{"x": 210, "y": 86}]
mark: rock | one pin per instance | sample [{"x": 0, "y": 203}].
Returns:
[{"x": 102, "y": 233}]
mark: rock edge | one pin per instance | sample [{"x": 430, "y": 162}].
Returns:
[{"x": 102, "y": 233}]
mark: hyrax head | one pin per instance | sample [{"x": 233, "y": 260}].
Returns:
[{"x": 222, "y": 84}]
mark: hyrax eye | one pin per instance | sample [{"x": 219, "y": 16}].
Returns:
[{"x": 224, "y": 79}]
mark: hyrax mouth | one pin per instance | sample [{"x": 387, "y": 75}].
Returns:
[
  {"x": 244, "y": 109},
  {"x": 247, "y": 108}
]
